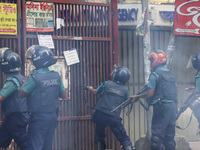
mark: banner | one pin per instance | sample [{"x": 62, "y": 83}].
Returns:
[
  {"x": 8, "y": 19},
  {"x": 186, "y": 19},
  {"x": 39, "y": 17}
]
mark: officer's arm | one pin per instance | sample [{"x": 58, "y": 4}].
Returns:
[
  {"x": 1, "y": 98},
  {"x": 23, "y": 94},
  {"x": 151, "y": 89},
  {"x": 148, "y": 94}
]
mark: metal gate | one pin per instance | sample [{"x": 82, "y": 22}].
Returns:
[{"x": 89, "y": 29}]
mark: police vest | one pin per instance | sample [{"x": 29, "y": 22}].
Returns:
[
  {"x": 112, "y": 96},
  {"x": 14, "y": 103},
  {"x": 44, "y": 99},
  {"x": 166, "y": 86}
]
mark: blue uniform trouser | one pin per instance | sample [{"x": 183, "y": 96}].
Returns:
[
  {"x": 102, "y": 120},
  {"x": 163, "y": 124},
  {"x": 41, "y": 130},
  {"x": 14, "y": 127}
]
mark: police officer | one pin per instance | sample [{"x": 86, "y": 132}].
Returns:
[
  {"x": 162, "y": 91},
  {"x": 43, "y": 88},
  {"x": 113, "y": 93},
  {"x": 14, "y": 108},
  {"x": 195, "y": 104}
]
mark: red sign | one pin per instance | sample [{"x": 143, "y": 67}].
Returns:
[{"x": 187, "y": 17}]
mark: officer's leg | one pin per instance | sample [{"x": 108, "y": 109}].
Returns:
[
  {"x": 195, "y": 108},
  {"x": 156, "y": 143},
  {"x": 119, "y": 131},
  {"x": 51, "y": 124},
  {"x": 159, "y": 124},
  {"x": 169, "y": 141},
  {"x": 100, "y": 125},
  {"x": 5, "y": 138},
  {"x": 18, "y": 124},
  {"x": 36, "y": 131}
]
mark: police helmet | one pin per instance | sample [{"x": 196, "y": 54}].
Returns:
[
  {"x": 41, "y": 56},
  {"x": 10, "y": 61},
  {"x": 157, "y": 58},
  {"x": 196, "y": 61},
  {"x": 121, "y": 75}
]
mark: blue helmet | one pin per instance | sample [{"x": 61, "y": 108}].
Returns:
[
  {"x": 10, "y": 61},
  {"x": 196, "y": 61},
  {"x": 121, "y": 75},
  {"x": 41, "y": 56}
]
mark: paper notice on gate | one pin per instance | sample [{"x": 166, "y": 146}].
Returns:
[
  {"x": 46, "y": 40},
  {"x": 71, "y": 57}
]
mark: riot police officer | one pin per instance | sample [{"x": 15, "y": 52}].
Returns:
[
  {"x": 43, "y": 88},
  {"x": 195, "y": 104},
  {"x": 113, "y": 93},
  {"x": 163, "y": 97},
  {"x": 14, "y": 108}
]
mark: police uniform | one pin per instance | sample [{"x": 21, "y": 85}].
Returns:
[
  {"x": 15, "y": 111},
  {"x": 112, "y": 95},
  {"x": 195, "y": 105},
  {"x": 43, "y": 87},
  {"x": 164, "y": 103}
]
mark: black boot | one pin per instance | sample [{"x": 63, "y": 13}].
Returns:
[
  {"x": 99, "y": 145},
  {"x": 127, "y": 147}
]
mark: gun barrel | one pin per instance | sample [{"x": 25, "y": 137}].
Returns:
[{"x": 125, "y": 103}]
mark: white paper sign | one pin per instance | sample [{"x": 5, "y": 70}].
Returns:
[
  {"x": 60, "y": 23},
  {"x": 71, "y": 57},
  {"x": 46, "y": 40}
]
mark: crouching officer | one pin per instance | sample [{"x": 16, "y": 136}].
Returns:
[
  {"x": 14, "y": 108},
  {"x": 113, "y": 93},
  {"x": 162, "y": 91},
  {"x": 43, "y": 88}
]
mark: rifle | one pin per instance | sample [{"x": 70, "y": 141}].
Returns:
[
  {"x": 129, "y": 100},
  {"x": 84, "y": 87},
  {"x": 193, "y": 96}
]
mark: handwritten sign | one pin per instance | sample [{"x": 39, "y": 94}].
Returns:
[
  {"x": 39, "y": 17},
  {"x": 71, "y": 57},
  {"x": 186, "y": 19},
  {"x": 8, "y": 18},
  {"x": 46, "y": 40}
]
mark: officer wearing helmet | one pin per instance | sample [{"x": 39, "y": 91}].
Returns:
[
  {"x": 195, "y": 103},
  {"x": 14, "y": 108},
  {"x": 42, "y": 89},
  {"x": 113, "y": 93},
  {"x": 163, "y": 95}
]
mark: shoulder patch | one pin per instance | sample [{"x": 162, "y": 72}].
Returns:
[{"x": 4, "y": 85}]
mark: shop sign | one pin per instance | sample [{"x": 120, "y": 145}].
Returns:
[
  {"x": 39, "y": 17},
  {"x": 8, "y": 19},
  {"x": 187, "y": 18},
  {"x": 127, "y": 14}
]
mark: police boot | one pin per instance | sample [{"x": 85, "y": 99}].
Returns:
[
  {"x": 99, "y": 145},
  {"x": 127, "y": 147}
]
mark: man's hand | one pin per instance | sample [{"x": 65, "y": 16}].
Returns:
[
  {"x": 90, "y": 88},
  {"x": 134, "y": 98}
]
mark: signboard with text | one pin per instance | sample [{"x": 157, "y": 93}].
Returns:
[
  {"x": 187, "y": 18},
  {"x": 39, "y": 17},
  {"x": 8, "y": 19}
]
